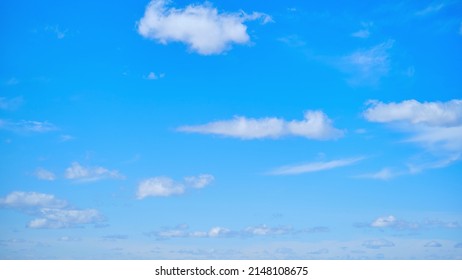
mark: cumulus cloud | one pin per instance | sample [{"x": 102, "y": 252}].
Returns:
[
  {"x": 378, "y": 243},
  {"x": 316, "y": 125},
  {"x": 435, "y": 125},
  {"x": 154, "y": 76},
  {"x": 27, "y": 126},
  {"x": 165, "y": 186},
  {"x": 314, "y": 166},
  {"x": 159, "y": 186},
  {"x": 201, "y": 27},
  {"x": 87, "y": 174},
  {"x": 384, "y": 221},
  {"x": 44, "y": 174},
  {"x": 49, "y": 211},
  {"x": 31, "y": 200},
  {"x": 368, "y": 66}
]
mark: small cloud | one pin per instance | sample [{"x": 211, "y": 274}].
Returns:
[
  {"x": 31, "y": 200},
  {"x": 363, "y": 33},
  {"x": 12, "y": 82},
  {"x": 69, "y": 239},
  {"x": 368, "y": 66},
  {"x": 59, "y": 32},
  {"x": 316, "y": 125},
  {"x": 199, "y": 181},
  {"x": 43, "y": 174},
  {"x": 115, "y": 237},
  {"x": 201, "y": 27},
  {"x": 383, "y": 174},
  {"x": 433, "y": 244},
  {"x": 66, "y": 138},
  {"x": 458, "y": 245},
  {"x": 378, "y": 243},
  {"x": 433, "y": 8},
  {"x": 10, "y": 103},
  {"x": 384, "y": 222},
  {"x": 154, "y": 76},
  {"x": 314, "y": 166},
  {"x": 159, "y": 186},
  {"x": 165, "y": 186},
  {"x": 27, "y": 126},
  {"x": 88, "y": 174}
]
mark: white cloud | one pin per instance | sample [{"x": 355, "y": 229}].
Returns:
[
  {"x": 27, "y": 126},
  {"x": 64, "y": 218},
  {"x": 378, "y": 243},
  {"x": 66, "y": 138},
  {"x": 314, "y": 166},
  {"x": 218, "y": 232},
  {"x": 433, "y": 244},
  {"x": 435, "y": 125},
  {"x": 154, "y": 76},
  {"x": 44, "y": 174},
  {"x": 159, "y": 186},
  {"x": 383, "y": 174},
  {"x": 434, "y": 8},
  {"x": 49, "y": 211},
  {"x": 368, "y": 66},
  {"x": 394, "y": 223},
  {"x": 201, "y": 27},
  {"x": 10, "y": 103},
  {"x": 384, "y": 222},
  {"x": 31, "y": 200},
  {"x": 199, "y": 181},
  {"x": 363, "y": 33},
  {"x": 86, "y": 174},
  {"x": 316, "y": 125},
  {"x": 59, "y": 32},
  {"x": 165, "y": 186},
  {"x": 264, "y": 230}
]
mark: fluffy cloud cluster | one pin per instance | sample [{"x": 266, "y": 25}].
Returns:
[
  {"x": 435, "y": 125},
  {"x": 86, "y": 174},
  {"x": 316, "y": 125},
  {"x": 49, "y": 211},
  {"x": 165, "y": 186},
  {"x": 201, "y": 27}
]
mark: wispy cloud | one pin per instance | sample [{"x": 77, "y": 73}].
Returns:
[
  {"x": 43, "y": 174},
  {"x": 431, "y": 9},
  {"x": 368, "y": 66},
  {"x": 314, "y": 166},
  {"x": 364, "y": 32},
  {"x": 165, "y": 186},
  {"x": 391, "y": 222},
  {"x": 154, "y": 76},
  {"x": 27, "y": 126},
  {"x": 378, "y": 243},
  {"x": 316, "y": 125},
  {"x": 183, "y": 231},
  {"x": 201, "y": 27},
  {"x": 437, "y": 126},
  {"x": 10, "y": 103},
  {"x": 56, "y": 30},
  {"x": 49, "y": 211},
  {"x": 433, "y": 244},
  {"x": 383, "y": 174},
  {"x": 87, "y": 174}
]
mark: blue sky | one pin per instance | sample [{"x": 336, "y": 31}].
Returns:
[{"x": 231, "y": 130}]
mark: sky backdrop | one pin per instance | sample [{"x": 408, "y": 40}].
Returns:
[{"x": 231, "y": 130}]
